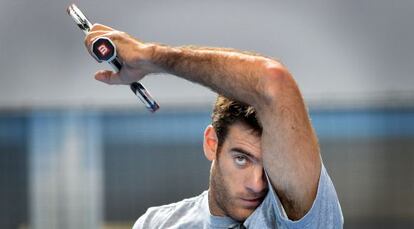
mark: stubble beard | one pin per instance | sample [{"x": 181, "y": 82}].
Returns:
[{"x": 221, "y": 194}]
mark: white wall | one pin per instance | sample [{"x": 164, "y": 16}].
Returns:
[{"x": 339, "y": 51}]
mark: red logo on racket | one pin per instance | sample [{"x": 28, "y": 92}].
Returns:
[{"x": 103, "y": 49}]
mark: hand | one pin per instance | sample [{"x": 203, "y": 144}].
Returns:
[{"x": 132, "y": 53}]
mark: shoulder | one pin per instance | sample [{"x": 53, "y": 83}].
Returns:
[
  {"x": 325, "y": 212},
  {"x": 170, "y": 215}
]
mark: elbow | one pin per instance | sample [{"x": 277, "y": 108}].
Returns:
[{"x": 276, "y": 81}]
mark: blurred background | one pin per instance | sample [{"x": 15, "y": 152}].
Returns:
[{"x": 75, "y": 153}]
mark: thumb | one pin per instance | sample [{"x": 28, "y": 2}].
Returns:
[{"x": 108, "y": 77}]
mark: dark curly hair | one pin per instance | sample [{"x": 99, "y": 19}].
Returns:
[{"x": 227, "y": 112}]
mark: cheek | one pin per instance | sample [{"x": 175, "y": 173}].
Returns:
[{"x": 231, "y": 176}]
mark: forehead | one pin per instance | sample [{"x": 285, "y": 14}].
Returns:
[{"x": 241, "y": 136}]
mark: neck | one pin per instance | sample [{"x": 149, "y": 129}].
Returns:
[{"x": 215, "y": 210}]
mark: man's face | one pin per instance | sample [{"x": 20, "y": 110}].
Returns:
[{"x": 237, "y": 180}]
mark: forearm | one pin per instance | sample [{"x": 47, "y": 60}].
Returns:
[
  {"x": 291, "y": 152},
  {"x": 238, "y": 75},
  {"x": 244, "y": 77}
]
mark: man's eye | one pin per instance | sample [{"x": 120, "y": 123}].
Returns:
[{"x": 240, "y": 160}]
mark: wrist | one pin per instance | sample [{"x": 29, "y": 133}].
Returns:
[
  {"x": 164, "y": 57},
  {"x": 144, "y": 56}
]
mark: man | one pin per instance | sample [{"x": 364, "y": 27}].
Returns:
[{"x": 266, "y": 169}]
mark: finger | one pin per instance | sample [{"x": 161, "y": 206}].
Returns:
[
  {"x": 108, "y": 77},
  {"x": 91, "y": 36},
  {"x": 100, "y": 27},
  {"x": 114, "y": 35}
]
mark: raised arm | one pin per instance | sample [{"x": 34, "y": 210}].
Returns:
[{"x": 290, "y": 147}]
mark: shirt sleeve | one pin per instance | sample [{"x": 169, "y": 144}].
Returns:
[{"x": 324, "y": 213}]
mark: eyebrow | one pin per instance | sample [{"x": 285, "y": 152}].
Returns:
[{"x": 242, "y": 151}]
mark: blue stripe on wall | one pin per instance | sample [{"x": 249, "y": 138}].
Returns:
[
  {"x": 168, "y": 126},
  {"x": 364, "y": 123}
]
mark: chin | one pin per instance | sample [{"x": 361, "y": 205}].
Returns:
[{"x": 241, "y": 214}]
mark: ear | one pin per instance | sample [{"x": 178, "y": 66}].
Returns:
[{"x": 210, "y": 143}]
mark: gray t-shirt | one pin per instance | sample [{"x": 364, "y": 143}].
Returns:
[{"x": 194, "y": 212}]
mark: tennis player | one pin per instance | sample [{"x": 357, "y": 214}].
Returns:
[{"x": 266, "y": 167}]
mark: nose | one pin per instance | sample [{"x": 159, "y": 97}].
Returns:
[{"x": 257, "y": 181}]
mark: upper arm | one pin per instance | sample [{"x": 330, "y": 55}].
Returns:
[{"x": 289, "y": 144}]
